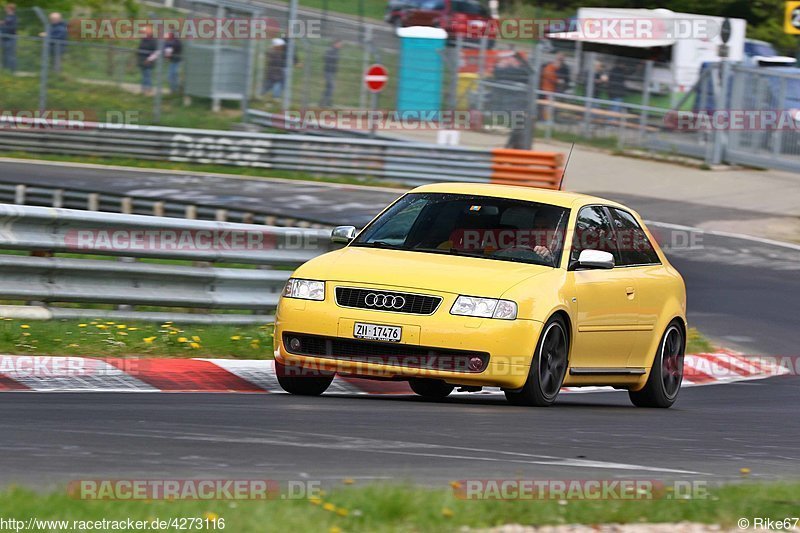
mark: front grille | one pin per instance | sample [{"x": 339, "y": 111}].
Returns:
[
  {"x": 404, "y": 355},
  {"x": 417, "y": 304}
]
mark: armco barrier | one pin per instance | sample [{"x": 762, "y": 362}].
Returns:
[
  {"x": 413, "y": 163},
  {"x": 523, "y": 167},
  {"x": 68, "y": 196},
  {"x": 49, "y": 280}
]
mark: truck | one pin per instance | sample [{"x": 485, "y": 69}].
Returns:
[{"x": 679, "y": 44}]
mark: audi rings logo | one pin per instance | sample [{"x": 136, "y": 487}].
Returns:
[{"x": 384, "y": 301}]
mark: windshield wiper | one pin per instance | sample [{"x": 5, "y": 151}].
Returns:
[
  {"x": 380, "y": 244},
  {"x": 449, "y": 251}
]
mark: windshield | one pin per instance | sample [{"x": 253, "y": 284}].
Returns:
[
  {"x": 474, "y": 226},
  {"x": 759, "y": 49}
]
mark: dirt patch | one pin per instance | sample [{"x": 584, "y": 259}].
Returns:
[{"x": 778, "y": 228}]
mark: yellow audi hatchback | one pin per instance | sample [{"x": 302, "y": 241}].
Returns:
[{"x": 469, "y": 285}]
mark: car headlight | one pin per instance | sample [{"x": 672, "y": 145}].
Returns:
[
  {"x": 484, "y": 308},
  {"x": 304, "y": 289}
]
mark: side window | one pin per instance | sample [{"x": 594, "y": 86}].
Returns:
[
  {"x": 634, "y": 246},
  {"x": 593, "y": 231}
]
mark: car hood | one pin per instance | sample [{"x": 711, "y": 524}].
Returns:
[{"x": 420, "y": 270}]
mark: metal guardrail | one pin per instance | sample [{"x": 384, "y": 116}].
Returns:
[
  {"x": 72, "y": 198},
  {"x": 286, "y": 122},
  {"x": 412, "y": 163},
  {"x": 50, "y": 280}
]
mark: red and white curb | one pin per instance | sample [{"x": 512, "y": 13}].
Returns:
[{"x": 83, "y": 374}]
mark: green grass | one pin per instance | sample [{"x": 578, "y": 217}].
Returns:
[
  {"x": 374, "y": 9},
  {"x": 109, "y": 338},
  {"x": 99, "y": 102},
  {"x": 697, "y": 343},
  {"x": 100, "y": 337},
  {"x": 308, "y": 84},
  {"x": 398, "y": 508}
]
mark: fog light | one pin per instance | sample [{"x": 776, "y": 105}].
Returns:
[
  {"x": 475, "y": 363},
  {"x": 294, "y": 344}
]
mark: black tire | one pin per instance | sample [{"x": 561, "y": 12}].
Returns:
[
  {"x": 433, "y": 389},
  {"x": 666, "y": 374},
  {"x": 302, "y": 382},
  {"x": 548, "y": 367}
]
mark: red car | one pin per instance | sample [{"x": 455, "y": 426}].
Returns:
[{"x": 467, "y": 18}]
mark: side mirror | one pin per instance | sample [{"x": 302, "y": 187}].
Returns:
[
  {"x": 595, "y": 259},
  {"x": 343, "y": 234}
]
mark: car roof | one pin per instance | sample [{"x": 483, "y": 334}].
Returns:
[{"x": 514, "y": 192}]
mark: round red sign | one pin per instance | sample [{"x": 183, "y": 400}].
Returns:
[{"x": 376, "y": 77}]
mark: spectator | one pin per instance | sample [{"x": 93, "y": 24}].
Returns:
[
  {"x": 511, "y": 95},
  {"x": 549, "y": 81},
  {"x": 276, "y": 68},
  {"x": 616, "y": 85},
  {"x": 146, "y": 56},
  {"x": 563, "y": 75},
  {"x": 330, "y": 68},
  {"x": 173, "y": 49},
  {"x": 600, "y": 80},
  {"x": 57, "y": 32},
  {"x": 8, "y": 38}
]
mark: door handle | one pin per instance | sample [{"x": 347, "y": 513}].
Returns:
[{"x": 630, "y": 291}]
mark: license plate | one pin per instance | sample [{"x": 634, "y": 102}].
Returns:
[{"x": 377, "y": 332}]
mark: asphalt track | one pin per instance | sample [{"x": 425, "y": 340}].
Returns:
[
  {"x": 742, "y": 292},
  {"x": 318, "y": 202}
]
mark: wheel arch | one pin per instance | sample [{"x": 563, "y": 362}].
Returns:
[{"x": 565, "y": 317}]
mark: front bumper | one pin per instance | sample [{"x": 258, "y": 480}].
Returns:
[{"x": 508, "y": 344}]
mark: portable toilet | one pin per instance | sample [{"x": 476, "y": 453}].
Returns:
[{"x": 421, "y": 72}]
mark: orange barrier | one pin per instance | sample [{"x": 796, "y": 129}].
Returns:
[{"x": 527, "y": 168}]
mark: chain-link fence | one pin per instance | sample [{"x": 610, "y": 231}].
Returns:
[
  {"x": 62, "y": 74},
  {"x": 561, "y": 90}
]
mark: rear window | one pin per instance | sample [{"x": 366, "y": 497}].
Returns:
[
  {"x": 469, "y": 8},
  {"x": 433, "y": 5}
]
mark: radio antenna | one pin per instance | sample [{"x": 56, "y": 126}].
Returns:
[{"x": 564, "y": 173}]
